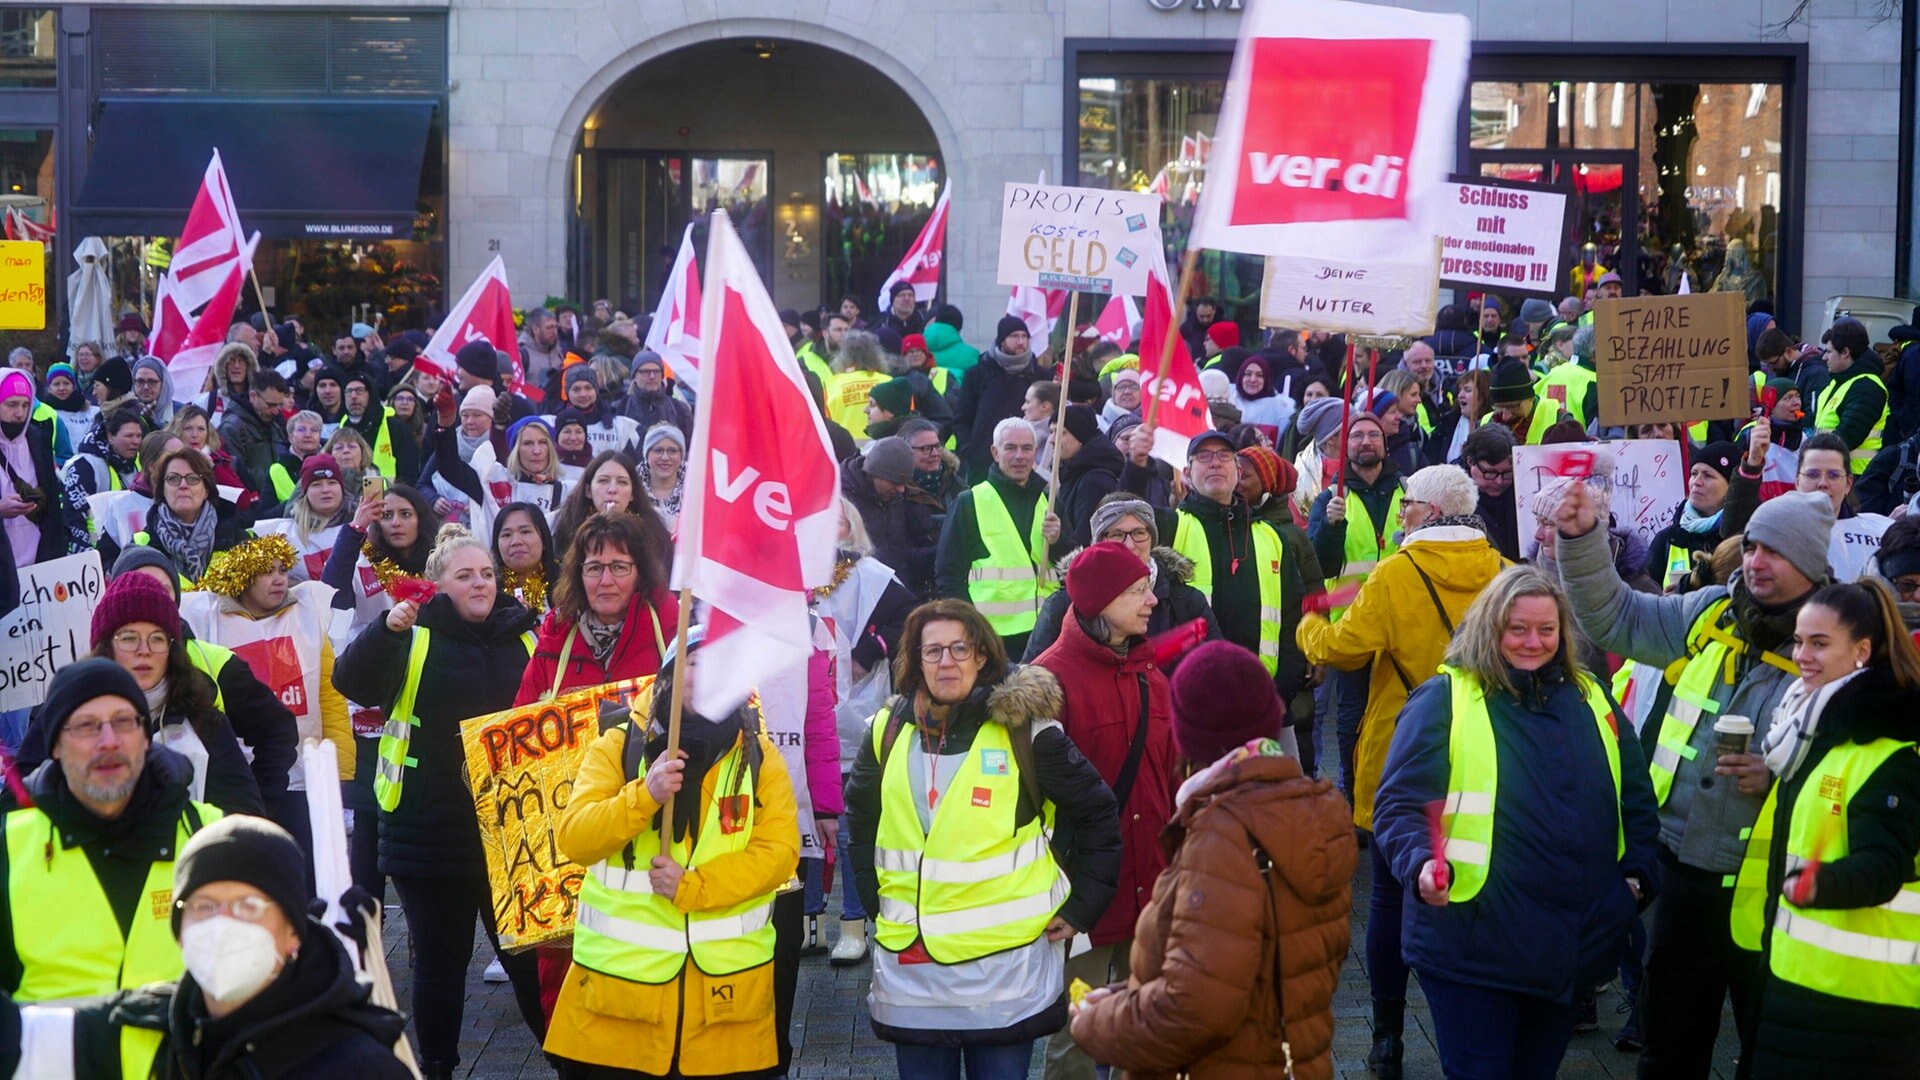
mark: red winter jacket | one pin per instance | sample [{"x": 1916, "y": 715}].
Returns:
[
  {"x": 1103, "y": 710},
  {"x": 633, "y": 656}
]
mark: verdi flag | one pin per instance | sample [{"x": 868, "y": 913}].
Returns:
[
  {"x": 485, "y": 312},
  {"x": 921, "y": 266}
]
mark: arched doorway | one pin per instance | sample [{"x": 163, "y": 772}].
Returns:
[{"x": 827, "y": 167}]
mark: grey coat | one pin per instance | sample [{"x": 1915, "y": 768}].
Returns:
[{"x": 1704, "y": 814}]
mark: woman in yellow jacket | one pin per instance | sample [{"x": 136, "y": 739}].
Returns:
[
  {"x": 672, "y": 970},
  {"x": 1401, "y": 621}
]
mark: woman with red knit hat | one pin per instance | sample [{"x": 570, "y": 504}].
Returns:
[{"x": 1259, "y": 875}]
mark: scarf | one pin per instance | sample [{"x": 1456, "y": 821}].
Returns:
[
  {"x": 157, "y": 701},
  {"x": 468, "y": 445},
  {"x": 1763, "y": 626},
  {"x": 705, "y": 743},
  {"x": 23, "y": 535},
  {"x": 1256, "y": 748},
  {"x": 671, "y": 504},
  {"x": 190, "y": 545},
  {"x": 602, "y": 638},
  {"x": 1692, "y": 521},
  {"x": 581, "y": 457},
  {"x": 1795, "y": 720}
]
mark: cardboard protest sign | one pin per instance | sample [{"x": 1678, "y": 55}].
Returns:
[
  {"x": 51, "y": 628},
  {"x": 1648, "y": 480},
  {"x": 1503, "y": 236},
  {"x": 1674, "y": 358},
  {"x": 520, "y": 768},
  {"x": 1077, "y": 239},
  {"x": 23, "y": 285},
  {"x": 1380, "y": 297}
]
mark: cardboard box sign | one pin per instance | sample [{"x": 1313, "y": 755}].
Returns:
[{"x": 1681, "y": 359}]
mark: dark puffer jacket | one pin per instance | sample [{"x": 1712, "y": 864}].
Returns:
[
  {"x": 905, "y": 529},
  {"x": 471, "y": 669},
  {"x": 1179, "y": 602},
  {"x": 1200, "y": 1001}
]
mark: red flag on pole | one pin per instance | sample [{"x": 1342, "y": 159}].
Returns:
[
  {"x": 762, "y": 513},
  {"x": 1039, "y": 308},
  {"x": 675, "y": 332},
  {"x": 485, "y": 312},
  {"x": 189, "y": 366},
  {"x": 211, "y": 246},
  {"x": 1117, "y": 321},
  {"x": 921, "y": 266},
  {"x": 1183, "y": 404}
]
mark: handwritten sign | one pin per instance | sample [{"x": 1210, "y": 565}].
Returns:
[
  {"x": 1502, "y": 236},
  {"x": 1649, "y": 479},
  {"x": 23, "y": 285},
  {"x": 1079, "y": 239},
  {"x": 51, "y": 628},
  {"x": 1375, "y": 298},
  {"x": 1677, "y": 358},
  {"x": 521, "y": 764}
]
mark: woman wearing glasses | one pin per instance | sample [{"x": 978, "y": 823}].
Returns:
[
  {"x": 1824, "y": 467},
  {"x": 1122, "y": 518},
  {"x": 983, "y": 842},
  {"x": 188, "y": 523}
]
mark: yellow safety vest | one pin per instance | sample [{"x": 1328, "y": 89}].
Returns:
[
  {"x": 383, "y": 444},
  {"x": 1828, "y": 419},
  {"x": 1367, "y": 543},
  {"x": 284, "y": 482},
  {"x": 1008, "y": 585},
  {"x": 1710, "y": 664},
  {"x": 626, "y": 930},
  {"x": 1190, "y": 540},
  {"x": 390, "y": 772},
  {"x": 1546, "y": 413},
  {"x": 809, "y": 354},
  {"x": 1473, "y": 776},
  {"x": 1861, "y": 954},
  {"x": 976, "y": 883},
  {"x": 65, "y": 934},
  {"x": 846, "y": 395},
  {"x": 211, "y": 660},
  {"x": 1679, "y": 565},
  {"x": 1574, "y": 378}
]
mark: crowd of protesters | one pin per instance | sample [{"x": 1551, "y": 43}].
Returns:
[{"x": 1063, "y": 731}]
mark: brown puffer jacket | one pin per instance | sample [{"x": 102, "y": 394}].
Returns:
[{"x": 1201, "y": 997}]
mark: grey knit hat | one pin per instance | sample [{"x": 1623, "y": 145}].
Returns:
[
  {"x": 1320, "y": 420},
  {"x": 890, "y": 459},
  {"x": 1106, "y": 514},
  {"x": 1798, "y": 525}
]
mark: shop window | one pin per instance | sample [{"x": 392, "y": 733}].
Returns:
[
  {"x": 646, "y": 200},
  {"x": 26, "y": 198},
  {"x": 27, "y": 43},
  {"x": 875, "y": 206}
]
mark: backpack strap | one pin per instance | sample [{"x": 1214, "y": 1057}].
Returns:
[{"x": 1264, "y": 863}]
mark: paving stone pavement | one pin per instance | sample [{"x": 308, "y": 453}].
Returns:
[{"x": 832, "y": 1038}]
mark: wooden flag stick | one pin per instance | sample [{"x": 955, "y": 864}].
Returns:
[
  {"x": 1346, "y": 421},
  {"x": 674, "y": 706},
  {"x": 1060, "y": 410},
  {"x": 1173, "y": 331},
  {"x": 260, "y": 295}
]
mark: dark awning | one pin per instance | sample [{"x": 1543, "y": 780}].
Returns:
[{"x": 314, "y": 170}]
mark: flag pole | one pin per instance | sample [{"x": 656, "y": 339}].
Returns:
[
  {"x": 1060, "y": 410},
  {"x": 675, "y": 704},
  {"x": 1187, "y": 262},
  {"x": 1346, "y": 421},
  {"x": 259, "y": 294}
]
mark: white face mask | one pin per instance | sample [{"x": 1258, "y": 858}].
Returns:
[{"x": 230, "y": 959}]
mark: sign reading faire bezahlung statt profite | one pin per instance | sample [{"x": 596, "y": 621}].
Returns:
[{"x": 1680, "y": 359}]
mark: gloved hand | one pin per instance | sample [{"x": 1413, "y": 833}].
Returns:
[{"x": 355, "y": 903}]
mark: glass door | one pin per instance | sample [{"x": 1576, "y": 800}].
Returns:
[
  {"x": 1606, "y": 208},
  {"x": 646, "y": 201}
]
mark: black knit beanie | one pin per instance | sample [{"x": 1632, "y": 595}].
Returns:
[{"x": 250, "y": 850}]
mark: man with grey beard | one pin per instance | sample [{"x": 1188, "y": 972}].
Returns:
[{"x": 89, "y": 865}]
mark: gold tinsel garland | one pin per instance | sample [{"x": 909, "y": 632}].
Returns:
[
  {"x": 388, "y": 572},
  {"x": 530, "y": 587},
  {"x": 841, "y": 570},
  {"x": 232, "y": 573}
]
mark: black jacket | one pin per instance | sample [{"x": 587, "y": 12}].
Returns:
[
  {"x": 1179, "y": 603},
  {"x": 1892, "y": 477},
  {"x": 960, "y": 543},
  {"x": 988, "y": 394},
  {"x": 1803, "y": 1032},
  {"x": 1502, "y": 517},
  {"x": 1086, "y": 478},
  {"x": 255, "y": 445},
  {"x": 472, "y": 669},
  {"x": 1236, "y": 581},
  {"x": 905, "y": 529},
  {"x": 60, "y": 524},
  {"x": 648, "y": 409},
  {"x": 1086, "y": 835},
  {"x": 315, "y": 1020}
]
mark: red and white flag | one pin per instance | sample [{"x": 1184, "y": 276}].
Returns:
[
  {"x": 188, "y": 366},
  {"x": 485, "y": 312},
  {"x": 675, "y": 331},
  {"x": 1118, "y": 321},
  {"x": 762, "y": 512},
  {"x": 170, "y": 324},
  {"x": 196, "y": 297},
  {"x": 1183, "y": 404},
  {"x": 921, "y": 266},
  {"x": 1039, "y": 309}
]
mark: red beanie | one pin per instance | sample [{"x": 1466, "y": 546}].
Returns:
[
  {"x": 1222, "y": 698},
  {"x": 1224, "y": 334},
  {"x": 1100, "y": 574},
  {"x": 135, "y": 597}
]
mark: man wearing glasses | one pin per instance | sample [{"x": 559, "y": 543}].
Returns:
[
  {"x": 153, "y": 389},
  {"x": 1487, "y": 455},
  {"x": 935, "y": 470},
  {"x": 996, "y": 548},
  {"x": 90, "y": 863}
]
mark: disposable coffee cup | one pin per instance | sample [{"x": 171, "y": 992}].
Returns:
[{"x": 1731, "y": 734}]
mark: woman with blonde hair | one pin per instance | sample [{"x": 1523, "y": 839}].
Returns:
[
  {"x": 1513, "y": 759},
  {"x": 350, "y": 450}
]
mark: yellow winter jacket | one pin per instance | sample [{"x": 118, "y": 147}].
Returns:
[
  {"x": 1395, "y": 624},
  {"x": 608, "y": 1021}
]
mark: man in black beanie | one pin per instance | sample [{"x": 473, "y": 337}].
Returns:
[
  {"x": 991, "y": 391},
  {"x": 110, "y": 812}
]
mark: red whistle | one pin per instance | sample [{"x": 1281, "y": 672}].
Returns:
[{"x": 1170, "y": 645}]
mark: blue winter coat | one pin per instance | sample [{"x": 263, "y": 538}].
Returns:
[{"x": 1549, "y": 920}]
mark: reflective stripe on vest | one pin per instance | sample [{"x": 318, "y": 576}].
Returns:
[
  {"x": 284, "y": 482},
  {"x": 1710, "y": 664},
  {"x": 1190, "y": 540},
  {"x": 1008, "y": 585},
  {"x": 1828, "y": 419},
  {"x": 393, "y": 761},
  {"x": 1367, "y": 543},
  {"x": 625, "y": 929},
  {"x": 1473, "y": 779},
  {"x": 1861, "y": 954},
  {"x": 976, "y": 883}
]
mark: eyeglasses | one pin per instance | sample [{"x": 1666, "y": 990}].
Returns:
[
  {"x": 1122, "y": 536},
  {"x": 129, "y": 641},
  {"x": 147, "y": 383},
  {"x": 1831, "y": 476},
  {"x": 1906, "y": 585},
  {"x": 249, "y": 909},
  {"x": 1408, "y": 504},
  {"x": 1213, "y": 457},
  {"x": 1497, "y": 476},
  {"x": 619, "y": 571},
  {"x": 930, "y": 448},
  {"x": 184, "y": 480},
  {"x": 88, "y": 731},
  {"x": 960, "y": 651}
]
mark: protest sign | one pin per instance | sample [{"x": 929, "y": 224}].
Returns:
[
  {"x": 23, "y": 285},
  {"x": 1501, "y": 236},
  {"x": 51, "y": 628},
  {"x": 1077, "y": 239},
  {"x": 1648, "y": 480},
  {"x": 520, "y": 767},
  {"x": 1379, "y": 298},
  {"x": 1674, "y": 358}
]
